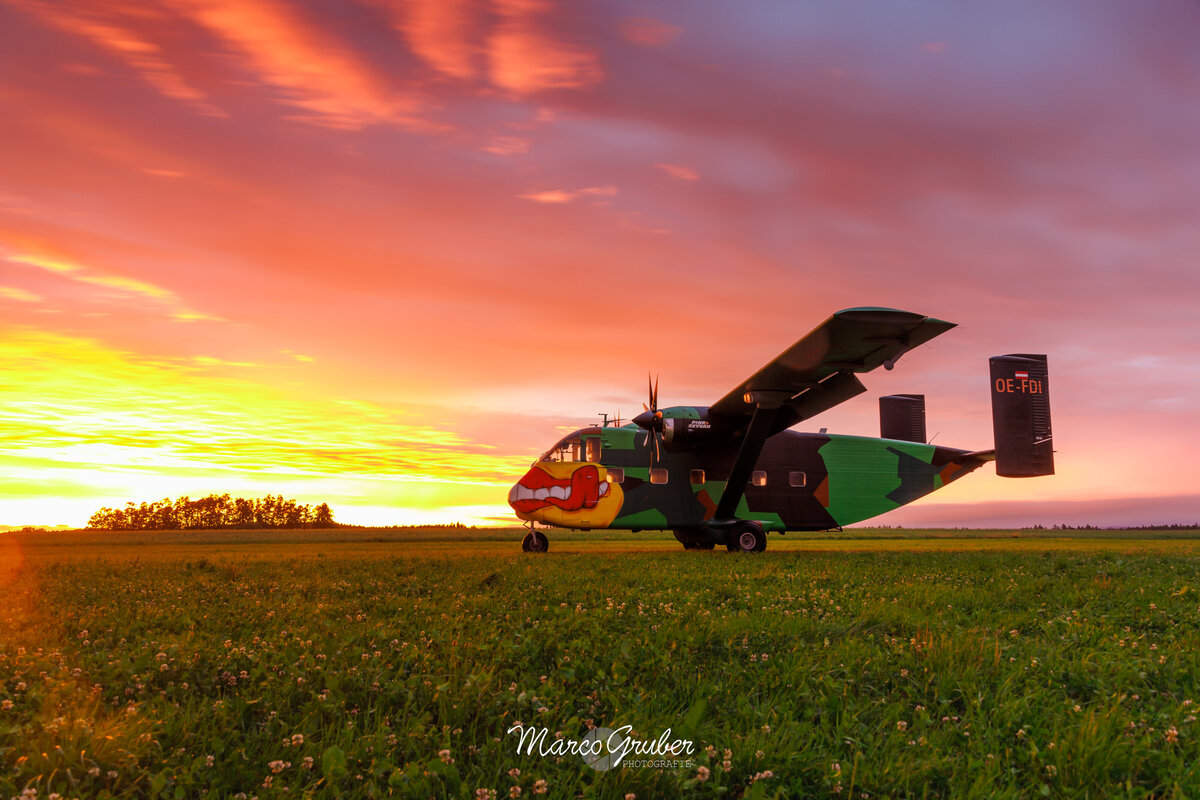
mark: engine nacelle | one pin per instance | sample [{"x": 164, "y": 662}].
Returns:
[{"x": 697, "y": 428}]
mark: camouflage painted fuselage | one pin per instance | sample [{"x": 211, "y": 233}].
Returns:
[{"x": 803, "y": 481}]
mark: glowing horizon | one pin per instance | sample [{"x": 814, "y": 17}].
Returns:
[{"x": 382, "y": 254}]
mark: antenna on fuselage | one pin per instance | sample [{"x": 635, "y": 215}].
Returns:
[{"x": 615, "y": 422}]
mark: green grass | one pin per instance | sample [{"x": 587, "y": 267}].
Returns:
[{"x": 964, "y": 664}]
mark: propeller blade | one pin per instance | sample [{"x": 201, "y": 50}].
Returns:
[{"x": 651, "y": 420}]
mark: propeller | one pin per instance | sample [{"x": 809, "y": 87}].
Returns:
[{"x": 651, "y": 419}]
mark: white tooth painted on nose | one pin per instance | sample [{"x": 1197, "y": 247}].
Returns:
[
  {"x": 560, "y": 492},
  {"x": 541, "y": 494},
  {"x": 603, "y": 489},
  {"x": 524, "y": 493}
]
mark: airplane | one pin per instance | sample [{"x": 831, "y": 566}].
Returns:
[{"x": 731, "y": 472}]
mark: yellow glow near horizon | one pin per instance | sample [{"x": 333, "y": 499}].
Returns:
[{"x": 100, "y": 426}]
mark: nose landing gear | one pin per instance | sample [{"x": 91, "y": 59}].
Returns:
[{"x": 535, "y": 541}]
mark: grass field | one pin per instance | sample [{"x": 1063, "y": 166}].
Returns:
[{"x": 391, "y": 663}]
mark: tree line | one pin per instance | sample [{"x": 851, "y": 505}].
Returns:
[{"x": 214, "y": 511}]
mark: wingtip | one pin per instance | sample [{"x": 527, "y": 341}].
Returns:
[{"x": 882, "y": 314}]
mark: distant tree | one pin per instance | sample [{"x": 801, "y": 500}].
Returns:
[
  {"x": 243, "y": 513},
  {"x": 212, "y": 512},
  {"x": 323, "y": 516}
]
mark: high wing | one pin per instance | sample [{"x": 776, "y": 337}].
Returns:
[{"x": 817, "y": 372}]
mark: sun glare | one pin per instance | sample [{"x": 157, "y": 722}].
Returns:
[{"x": 100, "y": 426}]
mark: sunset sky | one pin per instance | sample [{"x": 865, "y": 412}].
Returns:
[{"x": 382, "y": 253}]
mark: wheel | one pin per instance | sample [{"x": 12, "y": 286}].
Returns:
[
  {"x": 747, "y": 537},
  {"x": 693, "y": 539},
  {"x": 535, "y": 542}
]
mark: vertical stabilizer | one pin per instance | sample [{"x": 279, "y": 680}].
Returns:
[
  {"x": 902, "y": 416},
  {"x": 1021, "y": 416}
]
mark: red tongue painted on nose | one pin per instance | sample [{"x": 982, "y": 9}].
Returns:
[{"x": 584, "y": 483}]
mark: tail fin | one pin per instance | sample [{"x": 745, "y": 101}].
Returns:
[
  {"x": 1021, "y": 416},
  {"x": 902, "y": 416}
]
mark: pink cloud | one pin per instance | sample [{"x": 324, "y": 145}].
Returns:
[
  {"x": 676, "y": 171},
  {"x": 507, "y": 145},
  {"x": 649, "y": 31},
  {"x": 147, "y": 58}
]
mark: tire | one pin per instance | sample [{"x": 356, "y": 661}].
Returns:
[
  {"x": 535, "y": 542},
  {"x": 747, "y": 537}
]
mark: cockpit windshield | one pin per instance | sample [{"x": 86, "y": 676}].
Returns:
[
  {"x": 568, "y": 449},
  {"x": 582, "y": 445}
]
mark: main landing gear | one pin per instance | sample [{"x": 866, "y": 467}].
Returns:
[
  {"x": 746, "y": 536},
  {"x": 535, "y": 541},
  {"x": 739, "y": 536}
]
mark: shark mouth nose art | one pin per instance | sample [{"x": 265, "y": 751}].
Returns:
[
  {"x": 568, "y": 494},
  {"x": 537, "y": 490}
]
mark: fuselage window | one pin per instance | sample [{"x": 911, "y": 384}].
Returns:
[
  {"x": 593, "y": 449},
  {"x": 616, "y": 475},
  {"x": 758, "y": 478},
  {"x": 658, "y": 476},
  {"x": 697, "y": 476},
  {"x": 796, "y": 479}
]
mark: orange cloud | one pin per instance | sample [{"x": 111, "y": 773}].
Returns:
[
  {"x": 550, "y": 197},
  {"x": 561, "y": 196},
  {"x": 440, "y": 32},
  {"x": 524, "y": 57},
  {"x": 313, "y": 70}
]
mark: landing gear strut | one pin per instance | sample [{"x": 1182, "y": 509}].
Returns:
[
  {"x": 535, "y": 541},
  {"x": 746, "y": 537}
]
